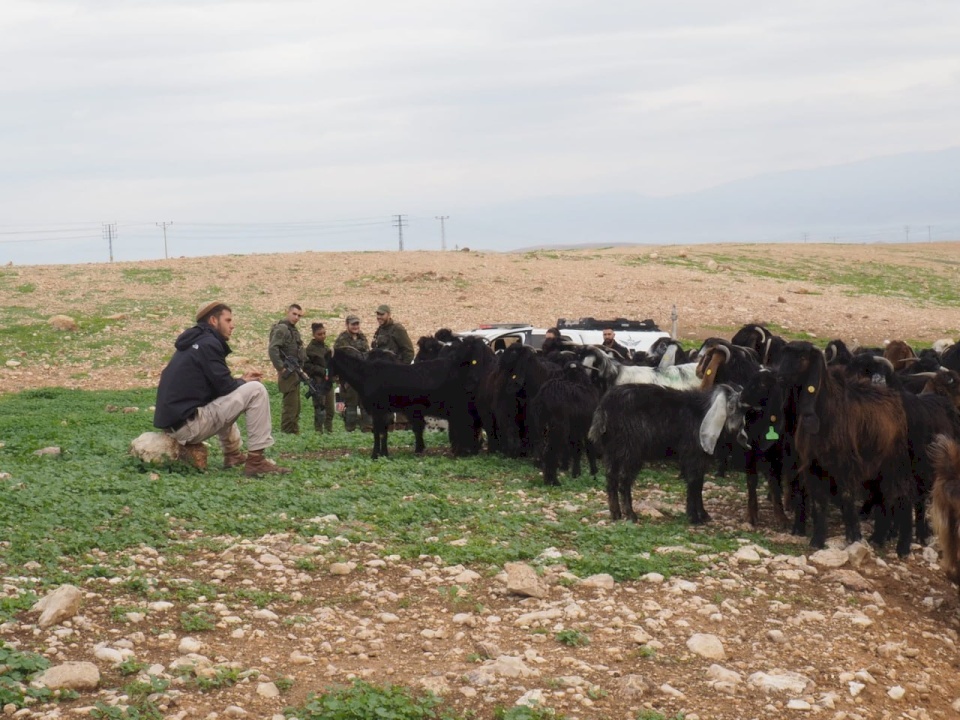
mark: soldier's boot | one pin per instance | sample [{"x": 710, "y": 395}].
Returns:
[
  {"x": 257, "y": 465},
  {"x": 234, "y": 459}
]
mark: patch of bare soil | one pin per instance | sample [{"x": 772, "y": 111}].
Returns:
[{"x": 820, "y": 291}]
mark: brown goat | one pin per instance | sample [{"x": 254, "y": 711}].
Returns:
[
  {"x": 852, "y": 437},
  {"x": 899, "y": 354},
  {"x": 944, "y": 512}
]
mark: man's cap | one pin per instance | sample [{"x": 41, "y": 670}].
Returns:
[
  {"x": 384, "y": 309},
  {"x": 207, "y": 308},
  {"x": 352, "y": 319}
]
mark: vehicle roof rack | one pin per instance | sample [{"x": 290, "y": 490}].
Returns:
[
  {"x": 590, "y": 323},
  {"x": 504, "y": 326}
]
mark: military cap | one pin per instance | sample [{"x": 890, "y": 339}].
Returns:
[
  {"x": 383, "y": 309},
  {"x": 352, "y": 319}
]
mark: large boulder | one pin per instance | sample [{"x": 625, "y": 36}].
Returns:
[{"x": 156, "y": 448}]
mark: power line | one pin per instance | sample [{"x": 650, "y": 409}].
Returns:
[
  {"x": 110, "y": 232},
  {"x": 164, "y": 226},
  {"x": 400, "y": 223},
  {"x": 443, "y": 232}
]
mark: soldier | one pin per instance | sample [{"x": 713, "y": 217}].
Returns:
[
  {"x": 318, "y": 356},
  {"x": 392, "y": 336},
  {"x": 352, "y": 338},
  {"x": 285, "y": 342}
]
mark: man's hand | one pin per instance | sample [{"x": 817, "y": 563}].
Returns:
[{"x": 251, "y": 375}]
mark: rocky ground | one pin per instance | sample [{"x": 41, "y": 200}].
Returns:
[{"x": 843, "y": 633}]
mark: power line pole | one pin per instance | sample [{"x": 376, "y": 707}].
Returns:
[
  {"x": 929, "y": 234},
  {"x": 443, "y": 230},
  {"x": 164, "y": 226},
  {"x": 906, "y": 229},
  {"x": 109, "y": 233},
  {"x": 400, "y": 224}
]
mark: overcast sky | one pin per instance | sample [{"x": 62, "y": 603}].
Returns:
[{"x": 278, "y": 111}]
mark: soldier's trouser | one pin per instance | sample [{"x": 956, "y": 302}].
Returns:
[
  {"x": 323, "y": 410},
  {"x": 220, "y": 418},
  {"x": 353, "y": 413},
  {"x": 289, "y": 387}
]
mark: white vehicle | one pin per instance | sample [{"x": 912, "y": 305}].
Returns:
[{"x": 633, "y": 334}]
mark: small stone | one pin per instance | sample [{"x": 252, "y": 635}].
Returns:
[
  {"x": 830, "y": 558},
  {"x": 601, "y": 581},
  {"x": 707, "y": 646},
  {"x": 896, "y": 692},
  {"x": 523, "y": 580},
  {"x": 189, "y": 645},
  {"x": 855, "y": 688},
  {"x": 58, "y": 605},
  {"x": 267, "y": 690},
  {"x": 798, "y": 705},
  {"x": 341, "y": 568}
]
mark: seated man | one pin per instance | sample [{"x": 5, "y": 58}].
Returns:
[{"x": 198, "y": 398}]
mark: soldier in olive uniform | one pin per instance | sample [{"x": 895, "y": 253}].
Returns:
[
  {"x": 318, "y": 356},
  {"x": 352, "y": 338},
  {"x": 285, "y": 342},
  {"x": 392, "y": 336}
]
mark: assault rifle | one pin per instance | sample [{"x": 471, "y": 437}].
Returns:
[{"x": 314, "y": 389}]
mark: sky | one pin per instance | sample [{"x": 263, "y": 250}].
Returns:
[{"x": 291, "y": 124}]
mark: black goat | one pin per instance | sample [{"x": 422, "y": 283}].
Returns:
[
  {"x": 837, "y": 353},
  {"x": 637, "y": 424},
  {"x": 850, "y": 436},
  {"x": 767, "y": 345},
  {"x": 521, "y": 374},
  {"x": 560, "y": 416},
  {"x": 430, "y": 346},
  {"x": 385, "y": 387},
  {"x": 722, "y": 362}
]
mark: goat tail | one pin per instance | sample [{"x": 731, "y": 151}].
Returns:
[
  {"x": 944, "y": 511},
  {"x": 598, "y": 427}
]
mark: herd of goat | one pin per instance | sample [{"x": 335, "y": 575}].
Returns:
[{"x": 874, "y": 431}]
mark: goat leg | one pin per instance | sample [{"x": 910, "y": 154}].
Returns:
[
  {"x": 613, "y": 501},
  {"x": 753, "y": 508}
]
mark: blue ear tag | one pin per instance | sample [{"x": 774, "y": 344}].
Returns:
[{"x": 771, "y": 434}]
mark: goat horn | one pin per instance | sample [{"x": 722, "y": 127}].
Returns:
[
  {"x": 831, "y": 353},
  {"x": 927, "y": 375}
]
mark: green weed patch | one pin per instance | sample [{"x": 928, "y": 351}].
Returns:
[{"x": 70, "y": 511}]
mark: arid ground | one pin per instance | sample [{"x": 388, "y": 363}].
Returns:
[{"x": 875, "y": 638}]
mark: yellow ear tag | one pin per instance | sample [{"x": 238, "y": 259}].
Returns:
[
  {"x": 473, "y": 362},
  {"x": 708, "y": 372},
  {"x": 513, "y": 377},
  {"x": 773, "y": 418},
  {"x": 811, "y": 389}
]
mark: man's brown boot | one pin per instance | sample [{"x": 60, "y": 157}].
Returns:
[
  {"x": 232, "y": 460},
  {"x": 258, "y": 465}
]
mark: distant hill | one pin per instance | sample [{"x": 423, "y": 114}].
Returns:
[{"x": 868, "y": 201}]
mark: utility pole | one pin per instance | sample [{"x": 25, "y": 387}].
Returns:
[
  {"x": 399, "y": 223},
  {"x": 443, "y": 230},
  {"x": 164, "y": 226},
  {"x": 929, "y": 234},
  {"x": 109, "y": 233},
  {"x": 906, "y": 230}
]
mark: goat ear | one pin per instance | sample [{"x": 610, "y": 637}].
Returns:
[
  {"x": 809, "y": 389},
  {"x": 707, "y": 369},
  {"x": 713, "y": 422},
  {"x": 669, "y": 357}
]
